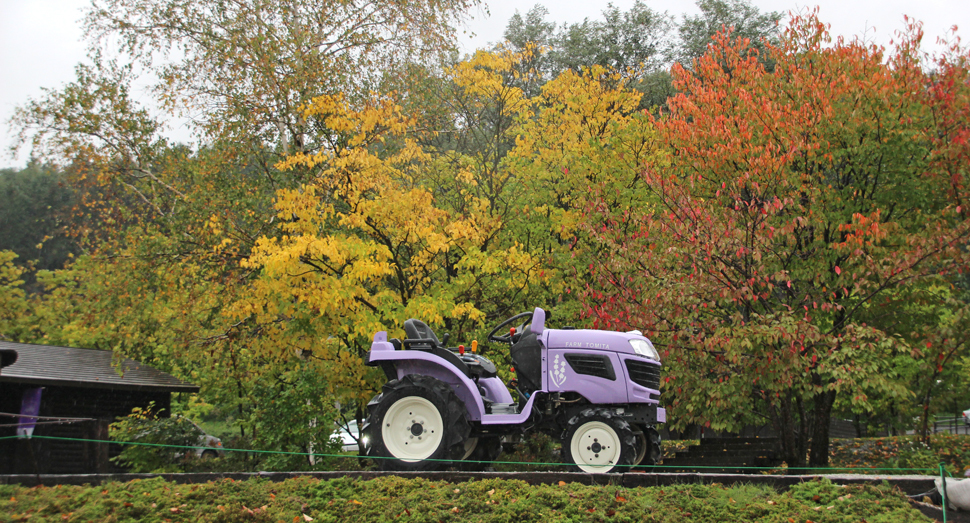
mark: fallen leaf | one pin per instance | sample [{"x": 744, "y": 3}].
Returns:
[
  {"x": 307, "y": 518},
  {"x": 620, "y": 498},
  {"x": 771, "y": 502},
  {"x": 491, "y": 492},
  {"x": 610, "y": 513},
  {"x": 455, "y": 510},
  {"x": 126, "y": 504},
  {"x": 174, "y": 510},
  {"x": 562, "y": 483},
  {"x": 457, "y": 490},
  {"x": 355, "y": 502},
  {"x": 155, "y": 505}
]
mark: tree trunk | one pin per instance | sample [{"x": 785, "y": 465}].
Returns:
[
  {"x": 789, "y": 434},
  {"x": 822, "y": 414}
]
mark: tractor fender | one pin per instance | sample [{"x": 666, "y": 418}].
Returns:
[{"x": 404, "y": 362}]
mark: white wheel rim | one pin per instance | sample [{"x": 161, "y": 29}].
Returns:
[
  {"x": 470, "y": 445},
  {"x": 641, "y": 438},
  {"x": 412, "y": 429},
  {"x": 595, "y": 447}
]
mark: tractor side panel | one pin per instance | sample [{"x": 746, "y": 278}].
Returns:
[
  {"x": 463, "y": 387},
  {"x": 495, "y": 390},
  {"x": 596, "y": 375}
]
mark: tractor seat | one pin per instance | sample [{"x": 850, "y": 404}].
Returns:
[{"x": 419, "y": 335}]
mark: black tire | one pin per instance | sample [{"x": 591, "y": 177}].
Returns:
[
  {"x": 597, "y": 441},
  {"x": 655, "y": 454},
  {"x": 209, "y": 454},
  {"x": 649, "y": 438},
  {"x": 417, "y": 423},
  {"x": 640, "y": 445}
]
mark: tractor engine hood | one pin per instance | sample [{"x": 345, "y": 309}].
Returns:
[{"x": 588, "y": 339}]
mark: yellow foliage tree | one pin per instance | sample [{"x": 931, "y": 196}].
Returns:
[{"x": 388, "y": 228}]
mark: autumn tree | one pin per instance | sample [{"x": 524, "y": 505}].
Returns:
[
  {"x": 173, "y": 223},
  {"x": 795, "y": 203},
  {"x": 14, "y": 308}
]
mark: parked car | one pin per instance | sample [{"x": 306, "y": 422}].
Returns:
[
  {"x": 966, "y": 418},
  {"x": 348, "y": 436},
  {"x": 212, "y": 445}
]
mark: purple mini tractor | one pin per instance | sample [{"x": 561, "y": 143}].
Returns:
[{"x": 597, "y": 391}]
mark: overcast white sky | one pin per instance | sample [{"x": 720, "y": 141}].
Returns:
[{"x": 40, "y": 40}]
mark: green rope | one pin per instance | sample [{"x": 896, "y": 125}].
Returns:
[{"x": 344, "y": 456}]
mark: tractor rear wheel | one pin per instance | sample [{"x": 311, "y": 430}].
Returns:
[
  {"x": 418, "y": 424},
  {"x": 487, "y": 449},
  {"x": 598, "y": 441}
]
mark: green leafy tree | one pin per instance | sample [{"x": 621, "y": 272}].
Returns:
[
  {"x": 638, "y": 44},
  {"x": 163, "y": 441},
  {"x": 742, "y": 18},
  {"x": 634, "y": 41},
  {"x": 35, "y": 211}
]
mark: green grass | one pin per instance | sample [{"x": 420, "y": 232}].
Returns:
[{"x": 419, "y": 500}]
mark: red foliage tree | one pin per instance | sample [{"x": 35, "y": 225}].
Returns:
[{"x": 795, "y": 201}]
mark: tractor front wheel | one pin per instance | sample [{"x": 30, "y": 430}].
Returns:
[
  {"x": 418, "y": 424},
  {"x": 649, "y": 451},
  {"x": 598, "y": 441}
]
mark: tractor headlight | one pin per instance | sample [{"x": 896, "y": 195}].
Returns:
[{"x": 645, "y": 348}]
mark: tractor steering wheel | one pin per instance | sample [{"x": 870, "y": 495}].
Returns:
[{"x": 507, "y": 338}]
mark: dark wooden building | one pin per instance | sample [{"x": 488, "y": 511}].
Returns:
[{"x": 81, "y": 391}]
